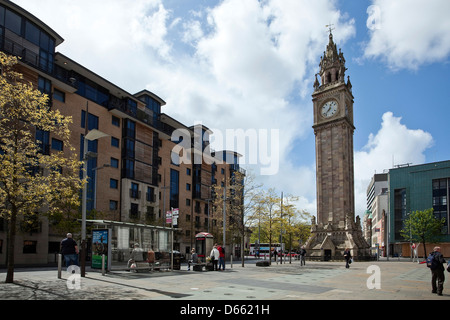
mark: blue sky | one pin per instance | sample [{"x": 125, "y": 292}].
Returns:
[{"x": 250, "y": 65}]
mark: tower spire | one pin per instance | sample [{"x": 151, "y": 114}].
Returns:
[{"x": 332, "y": 64}]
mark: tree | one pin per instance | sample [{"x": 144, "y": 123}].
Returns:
[
  {"x": 422, "y": 226},
  {"x": 33, "y": 181},
  {"x": 241, "y": 193},
  {"x": 274, "y": 216}
]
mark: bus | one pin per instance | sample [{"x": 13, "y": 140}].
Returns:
[{"x": 263, "y": 249}]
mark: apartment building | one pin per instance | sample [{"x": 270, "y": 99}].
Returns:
[{"x": 132, "y": 177}]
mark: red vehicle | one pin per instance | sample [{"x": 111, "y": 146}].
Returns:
[{"x": 293, "y": 254}]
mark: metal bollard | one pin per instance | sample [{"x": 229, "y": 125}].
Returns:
[
  {"x": 59, "y": 265},
  {"x": 103, "y": 264}
]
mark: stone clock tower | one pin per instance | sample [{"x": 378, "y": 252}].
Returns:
[{"x": 335, "y": 228}]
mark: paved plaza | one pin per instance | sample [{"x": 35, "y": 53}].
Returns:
[{"x": 383, "y": 280}]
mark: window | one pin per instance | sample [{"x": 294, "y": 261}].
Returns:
[
  {"x": 134, "y": 211},
  {"x": 13, "y": 22},
  {"x": 92, "y": 120},
  {"x": 59, "y": 95},
  {"x": 29, "y": 246},
  {"x": 115, "y": 121},
  {"x": 188, "y": 171},
  {"x": 129, "y": 148},
  {"x": 114, "y": 142},
  {"x": 399, "y": 211},
  {"x": 150, "y": 194},
  {"x": 57, "y": 144},
  {"x": 45, "y": 85},
  {"x": 441, "y": 192},
  {"x": 113, "y": 205},
  {"x": 113, "y": 183},
  {"x": 188, "y": 186},
  {"x": 129, "y": 129},
  {"x": 32, "y": 33},
  {"x": 43, "y": 138},
  {"x": 174, "y": 188},
  {"x": 134, "y": 191},
  {"x": 128, "y": 170},
  {"x": 114, "y": 163}
]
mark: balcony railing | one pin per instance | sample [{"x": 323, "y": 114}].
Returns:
[{"x": 32, "y": 58}]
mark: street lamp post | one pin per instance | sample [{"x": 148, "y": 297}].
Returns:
[{"x": 94, "y": 134}]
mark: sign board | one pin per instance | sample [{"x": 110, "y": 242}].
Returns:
[{"x": 100, "y": 246}]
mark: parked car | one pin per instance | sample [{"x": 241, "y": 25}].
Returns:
[{"x": 293, "y": 254}]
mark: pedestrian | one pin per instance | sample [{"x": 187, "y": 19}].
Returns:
[
  {"x": 194, "y": 258},
  {"x": 437, "y": 271},
  {"x": 137, "y": 255},
  {"x": 347, "y": 257},
  {"x": 214, "y": 255},
  {"x": 302, "y": 256},
  {"x": 221, "y": 257},
  {"x": 69, "y": 249}
]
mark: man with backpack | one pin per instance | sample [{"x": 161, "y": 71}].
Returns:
[{"x": 435, "y": 262}]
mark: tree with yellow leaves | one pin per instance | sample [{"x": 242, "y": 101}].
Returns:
[{"x": 32, "y": 182}]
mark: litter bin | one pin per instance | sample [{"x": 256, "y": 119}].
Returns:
[{"x": 176, "y": 260}]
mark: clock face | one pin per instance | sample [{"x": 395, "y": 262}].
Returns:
[{"x": 329, "y": 109}]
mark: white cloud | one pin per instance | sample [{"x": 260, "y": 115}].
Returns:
[
  {"x": 393, "y": 142},
  {"x": 249, "y": 64},
  {"x": 409, "y": 33}
]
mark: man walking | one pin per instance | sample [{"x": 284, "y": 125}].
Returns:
[
  {"x": 302, "y": 256},
  {"x": 437, "y": 271},
  {"x": 69, "y": 250}
]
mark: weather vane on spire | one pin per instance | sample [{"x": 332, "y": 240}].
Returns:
[{"x": 330, "y": 27}]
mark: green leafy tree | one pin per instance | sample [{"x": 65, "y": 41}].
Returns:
[
  {"x": 32, "y": 182},
  {"x": 423, "y": 227}
]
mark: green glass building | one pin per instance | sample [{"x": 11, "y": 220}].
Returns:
[{"x": 418, "y": 187}]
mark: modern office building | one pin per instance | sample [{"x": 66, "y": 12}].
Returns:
[
  {"x": 417, "y": 188},
  {"x": 132, "y": 178},
  {"x": 392, "y": 196}
]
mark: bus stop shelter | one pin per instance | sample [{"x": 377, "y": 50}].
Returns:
[{"x": 118, "y": 239}]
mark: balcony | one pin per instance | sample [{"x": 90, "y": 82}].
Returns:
[
  {"x": 29, "y": 54},
  {"x": 145, "y": 116}
]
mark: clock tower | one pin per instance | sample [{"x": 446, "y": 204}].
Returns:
[{"x": 335, "y": 228}]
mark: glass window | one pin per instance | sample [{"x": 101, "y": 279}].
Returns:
[
  {"x": 45, "y": 86},
  {"x": 114, "y": 142},
  {"x": 92, "y": 122},
  {"x": 45, "y": 41},
  {"x": 134, "y": 191},
  {"x": 2, "y": 16},
  {"x": 129, "y": 128},
  {"x": 134, "y": 211},
  {"x": 57, "y": 144},
  {"x": 13, "y": 22},
  {"x": 114, "y": 163},
  {"x": 59, "y": 95},
  {"x": 32, "y": 33},
  {"x": 113, "y": 205},
  {"x": 29, "y": 246},
  {"x": 113, "y": 183},
  {"x": 174, "y": 188},
  {"x": 115, "y": 121},
  {"x": 129, "y": 169}
]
